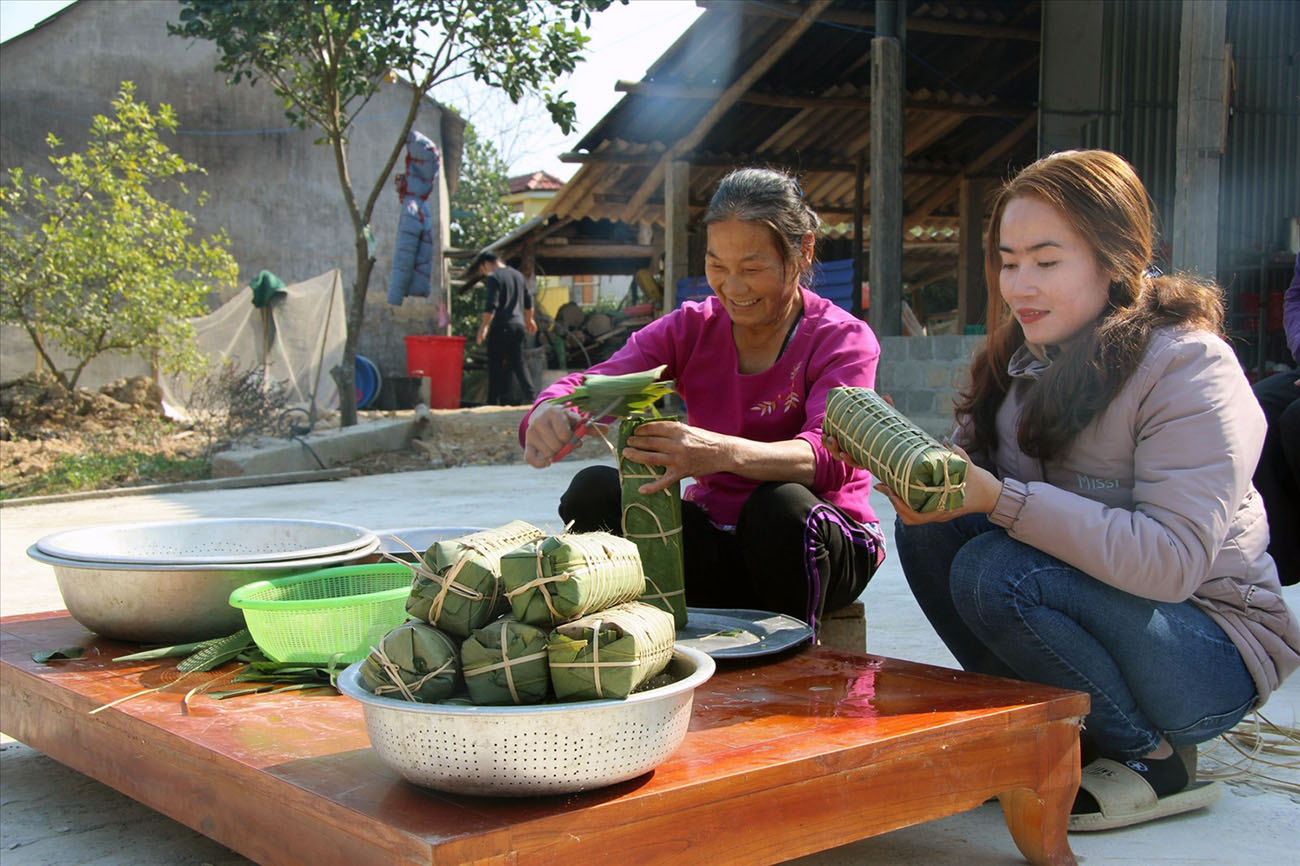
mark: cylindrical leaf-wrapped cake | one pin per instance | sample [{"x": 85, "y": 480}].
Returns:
[
  {"x": 887, "y": 444},
  {"x": 654, "y": 523}
]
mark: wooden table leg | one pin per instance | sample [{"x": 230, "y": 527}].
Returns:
[{"x": 1038, "y": 819}]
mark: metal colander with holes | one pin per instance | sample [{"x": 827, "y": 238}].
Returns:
[
  {"x": 534, "y": 750},
  {"x": 208, "y": 541}
]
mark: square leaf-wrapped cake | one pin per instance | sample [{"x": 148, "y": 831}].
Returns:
[
  {"x": 505, "y": 663},
  {"x": 610, "y": 653},
  {"x": 561, "y": 577},
  {"x": 457, "y": 585}
]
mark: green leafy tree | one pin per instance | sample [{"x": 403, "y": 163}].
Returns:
[
  {"x": 478, "y": 216},
  {"x": 327, "y": 58},
  {"x": 93, "y": 262}
]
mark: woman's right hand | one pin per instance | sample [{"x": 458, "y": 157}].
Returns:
[{"x": 549, "y": 429}]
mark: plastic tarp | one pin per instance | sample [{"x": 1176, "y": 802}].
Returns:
[{"x": 297, "y": 340}]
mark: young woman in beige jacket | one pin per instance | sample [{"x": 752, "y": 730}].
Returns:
[{"x": 1111, "y": 541}]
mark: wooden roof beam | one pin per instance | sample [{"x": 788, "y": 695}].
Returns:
[
  {"x": 550, "y": 229},
  {"x": 786, "y": 160},
  {"x": 738, "y": 88},
  {"x": 976, "y": 166},
  {"x": 593, "y": 251},
  {"x": 778, "y": 100},
  {"x": 916, "y": 24},
  {"x": 610, "y": 158}
]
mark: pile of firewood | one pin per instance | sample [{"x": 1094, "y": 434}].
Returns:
[{"x": 585, "y": 337}]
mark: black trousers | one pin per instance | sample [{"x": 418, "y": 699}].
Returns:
[
  {"x": 791, "y": 553},
  {"x": 1277, "y": 477},
  {"x": 505, "y": 357}
]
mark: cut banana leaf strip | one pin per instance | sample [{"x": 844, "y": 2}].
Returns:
[
  {"x": 67, "y": 653},
  {"x": 628, "y": 393}
]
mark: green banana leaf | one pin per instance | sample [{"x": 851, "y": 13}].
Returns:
[{"x": 619, "y": 395}]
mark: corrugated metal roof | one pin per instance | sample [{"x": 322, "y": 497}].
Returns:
[{"x": 965, "y": 94}]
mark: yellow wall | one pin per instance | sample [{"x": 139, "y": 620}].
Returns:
[
  {"x": 528, "y": 203},
  {"x": 552, "y": 293}
]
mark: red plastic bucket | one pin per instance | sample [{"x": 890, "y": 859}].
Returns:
[{"x": 441, "y": 360}]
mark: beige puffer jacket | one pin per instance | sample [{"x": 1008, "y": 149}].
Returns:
[{"x": 1155, "y": 496}]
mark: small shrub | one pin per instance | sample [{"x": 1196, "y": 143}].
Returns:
[{"x": 230, "y": 406}]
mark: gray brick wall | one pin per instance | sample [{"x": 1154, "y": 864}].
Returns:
[{"x": 922, "y": 375}]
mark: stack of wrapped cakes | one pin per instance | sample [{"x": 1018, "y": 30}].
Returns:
[{"x": 513, "y": 615}]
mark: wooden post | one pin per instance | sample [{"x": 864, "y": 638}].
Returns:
[
  {"x": 859, "y": 225},
  {"x": 528, "y": 260},
  {"x": 676, "y": 217},
  {"x": 1200, "y": 136},
  {"x": 972, "y": 296},
  {"x": 885, "y": 314}
]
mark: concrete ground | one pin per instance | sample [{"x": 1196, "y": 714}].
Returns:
[{"x": 52, "y": 816}]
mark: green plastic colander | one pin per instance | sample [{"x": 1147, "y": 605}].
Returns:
[{"x": 332, "y": 614}]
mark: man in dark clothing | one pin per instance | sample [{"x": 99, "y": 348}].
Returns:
[
  {"x": 1277, "y": 476},
  {"x": 507, "y": 316}
]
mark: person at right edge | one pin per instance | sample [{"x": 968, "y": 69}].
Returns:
[
  {"x": 507, "y": 316},
  {"x": 1277, "y": 477},
  {"x": 1110, "y": 541}
]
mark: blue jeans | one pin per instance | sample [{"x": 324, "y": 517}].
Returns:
[{"x": 1153, "y": 669}]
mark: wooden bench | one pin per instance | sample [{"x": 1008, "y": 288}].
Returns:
[{"x": 785, "y": 756}]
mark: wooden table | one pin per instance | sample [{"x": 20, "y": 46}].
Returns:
[{"x": 785, "y": 756}]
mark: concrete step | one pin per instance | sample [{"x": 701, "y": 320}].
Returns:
[
  {"x": 844, "y": 629},
  {"x": 319, "y": 450}
]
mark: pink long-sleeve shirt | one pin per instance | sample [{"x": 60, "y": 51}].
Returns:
[{"x": 829, "y": 348}]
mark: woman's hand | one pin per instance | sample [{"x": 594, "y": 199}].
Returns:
[
  {"x": 832, "y": 447},
  {"x": 981, "y": 495},
  {"x": 981, "y": 491},
  {"x": 549, "y": 429},
  {"x": 684, "y": 451}
]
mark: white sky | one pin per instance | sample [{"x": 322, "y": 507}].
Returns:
[{"x": 625, "y": 41}]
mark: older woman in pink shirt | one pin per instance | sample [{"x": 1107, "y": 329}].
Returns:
[{"x": 772, "y": 521}]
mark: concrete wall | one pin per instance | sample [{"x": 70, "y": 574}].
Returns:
[
  {"x": 1070, "y": 73},
  {"x": 922, "y": 375},
  {"x": 275, "y": 192}
]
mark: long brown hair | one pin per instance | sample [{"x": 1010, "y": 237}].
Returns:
[{"x": 1101, "y": 197}]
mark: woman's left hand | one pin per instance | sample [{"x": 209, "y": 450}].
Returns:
[
  {"x": 682, "y": 450},
  {"x": 981, "y": 491},
  {"x": 981, "y": 495}
]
